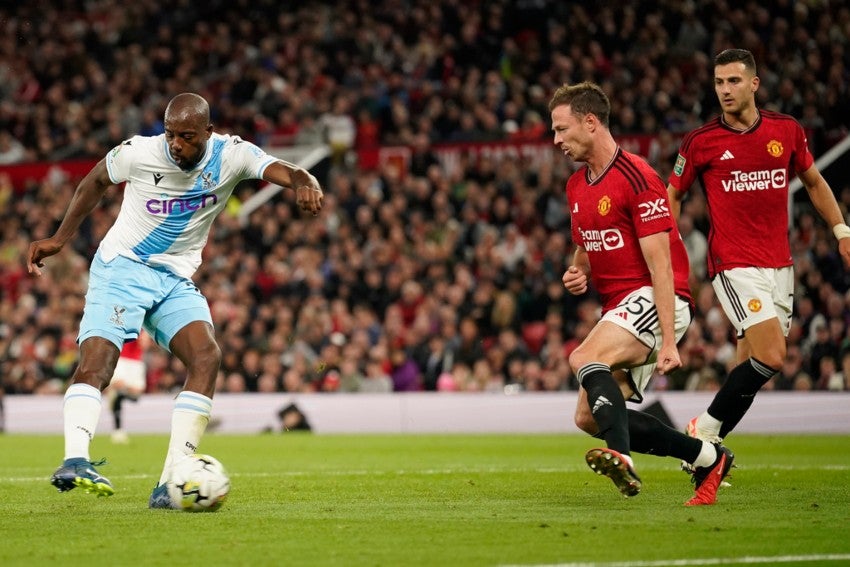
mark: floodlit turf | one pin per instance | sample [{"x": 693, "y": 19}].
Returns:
[{"x": 387, "y": 500}]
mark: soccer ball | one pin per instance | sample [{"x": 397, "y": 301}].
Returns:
[{"x": 198, "y": 483}]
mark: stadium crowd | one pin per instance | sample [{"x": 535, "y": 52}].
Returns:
[{"x": 422, "y": 278}]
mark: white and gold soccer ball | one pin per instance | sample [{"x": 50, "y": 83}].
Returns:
[{"x": 198, "y": 483}]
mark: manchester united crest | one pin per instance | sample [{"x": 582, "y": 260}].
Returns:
[
  {"x": 604, "y": 206},
  {"x": 774, "y": 148},
  {"x": 754, "y": 305}
]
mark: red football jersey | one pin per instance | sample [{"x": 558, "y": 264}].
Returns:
[
  {"x": 609, "y": 214},
  {"x": 745, "y": 176}
]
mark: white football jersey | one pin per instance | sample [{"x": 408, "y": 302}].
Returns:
[{"x": 167, "y": 212}]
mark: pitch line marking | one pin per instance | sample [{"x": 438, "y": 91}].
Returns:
[
  {"x": 706, "y": 561},
  {"x": 425, "y": 472}
]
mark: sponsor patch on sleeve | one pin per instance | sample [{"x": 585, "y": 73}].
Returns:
[{"x": 680, "y": 165}]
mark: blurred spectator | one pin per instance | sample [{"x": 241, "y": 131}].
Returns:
[
  {"x": 845, "y": 372},
  {"x": 377, "y": 379},
  {"x": 234, "y": 383},
  {"x": 791, "y": 371},
  {"x": 481, "y": 241},
  {"x": 697, "y": 246},
  {"x": 293, "y": 381},
  {"x": 340, "y": 128},
  {"x": 701, "y": 375},
  {"x": 405, "y": 374},
  {"x": 422, "y": 157},
  {"x": 268, "y": 383},
  {"x": 469, "y": 349},
  {"x": 11, "y": 150},
  {"x": 822, "y": 347},
  {"x": 310, "y": 132},
  {"x": 829, "y": 377}
]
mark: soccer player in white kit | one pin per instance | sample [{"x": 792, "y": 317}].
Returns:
[{"x": 176, "y": 184}]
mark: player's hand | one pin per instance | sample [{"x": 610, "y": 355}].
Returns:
[
  {"x": 575, "y": 280},
  {"x": 38, "y": 251},
  {"x": 844, "y": 251},
  {"x": 668, "y": 359},
  {"x": 309, "y": 198}
]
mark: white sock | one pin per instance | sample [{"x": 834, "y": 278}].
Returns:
[
  {"x": 188, "y": 422},
  {"x": 707, "y": 426},
  {"x": 81, "y": 412},
  {"x": 628, "y": 459},
  {"x": 707, "y": 455}
]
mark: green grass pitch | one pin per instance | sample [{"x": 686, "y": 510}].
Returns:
[{"x": 466, "y": 500}]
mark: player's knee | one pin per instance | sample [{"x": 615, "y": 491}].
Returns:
[
  {"x": 773, "y": 357},
  {"x": 98, "y": 377},
  {"x": 588, "y": 425},
  {"x": 213, "y": 355},
  {"x": 206, "y": 359},
  {"x": 584, "y": 421},
  {"x": 577, "y": 359}
]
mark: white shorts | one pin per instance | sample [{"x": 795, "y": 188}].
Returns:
[
  {"x": 636, "y": 313},
  {"x": 753, "y": 295},
  {"x": 130, "y": 373}
]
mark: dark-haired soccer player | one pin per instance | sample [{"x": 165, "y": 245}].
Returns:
[
  {"x": 629, "y": 248},
  {"x": 744, "y": 160}
]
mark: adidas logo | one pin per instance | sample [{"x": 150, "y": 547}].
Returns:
[
  {"x": 727, "y": 155},
  {"x": 600, "y": 401}
]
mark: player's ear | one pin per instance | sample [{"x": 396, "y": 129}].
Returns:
[{"x": 756, "y": 82}]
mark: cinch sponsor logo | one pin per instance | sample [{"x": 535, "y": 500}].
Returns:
[
  {"x": 598, "y": 240},
  {"x": 169, "y": 206},
  {"x": 756, "y": 180}
]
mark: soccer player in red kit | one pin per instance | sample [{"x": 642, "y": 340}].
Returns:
[
  {"x": 628, "y": 247},
  {"x": 129, "y": 381},
  {"x": 744, "y": 160}
]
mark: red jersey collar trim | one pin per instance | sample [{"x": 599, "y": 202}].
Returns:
[
  {"x": 607, "y": 168},
  {"x": 752, "y": 127}
]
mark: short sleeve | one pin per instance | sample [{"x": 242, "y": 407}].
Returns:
[
  {"x": 247, "y": 158},
  {"x": 120, "y": 160},
  {"x": 803, "y": 158},
  {"x": 682, "y": 176},
  {"x": 650, "y": 208}
]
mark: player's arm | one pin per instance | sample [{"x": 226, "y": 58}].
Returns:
[
  {"x": 575, "y": 278},
  {"x": 308, "y": 192},
  {"x": 824, "y": 201},
  {"x": 675, "y": 197},
  {"x": 656, "y": 253},
  {"x": 88, "y": 194}
]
